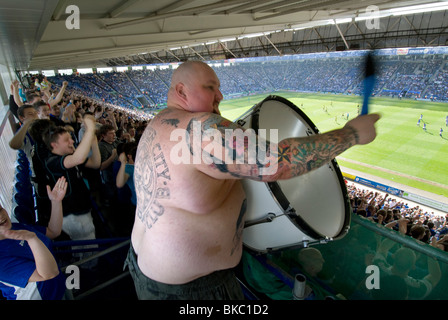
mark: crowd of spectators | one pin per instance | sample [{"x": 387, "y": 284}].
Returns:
[
  {"x": 437, "y": 86},
  {"x": 421, "y": 78},
  {"x": 90, "y": 145},
  {"x": 408, "y": 219},
  {"x": 116, "y": 131},
  {"x": 153, "y": 84}
]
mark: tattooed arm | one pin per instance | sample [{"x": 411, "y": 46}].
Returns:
[
  {"x": 297, "y": 156},
  {"x": 267, "y": 160}
]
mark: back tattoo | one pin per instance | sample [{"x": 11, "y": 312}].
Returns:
[{"x": 151, "y": 179}]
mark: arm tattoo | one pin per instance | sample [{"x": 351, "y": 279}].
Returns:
[
  {"x": 297, "y": 156},
  {"x": 151, "y": 178},
  {"x": 354, "y": 132},
  {"x": 237, "y": 158},
  {"x": 290, "y": 157}
]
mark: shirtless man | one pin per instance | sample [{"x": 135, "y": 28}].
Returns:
[{"x": 187, "y": 235}]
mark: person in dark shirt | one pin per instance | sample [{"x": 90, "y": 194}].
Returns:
[{"x": 66, "y": 160}]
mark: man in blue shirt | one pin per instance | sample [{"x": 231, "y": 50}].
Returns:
[{"x": 28, "y": 270}]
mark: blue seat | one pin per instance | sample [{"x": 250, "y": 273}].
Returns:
[
  {"x": 23, "y": 162},
  {"x": 22, "y": 168},
  {"x": 23, "y": 177},
  {"x": 24, "y": 187},
  {"x": 26, "y": 200},
  {"x": 21, "y": 154},
  {"x": 24, "y": 215}
]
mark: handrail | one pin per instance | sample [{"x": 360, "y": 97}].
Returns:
[
  {"x": 92, "y": 257},
  {"x": 102, "y": 286},
  {"x": 99, "y": 254},
  {"x": 67, "y": 243}
]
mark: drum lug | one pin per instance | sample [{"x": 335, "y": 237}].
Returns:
[
  {"x": 241, "y": 122},
  {"x": 268, "y": 218},
  {"x": 325, "y": 240}
]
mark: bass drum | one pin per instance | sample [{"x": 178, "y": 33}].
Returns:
[{"x": 311, "y": 208}]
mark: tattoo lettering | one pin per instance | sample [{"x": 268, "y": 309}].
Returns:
[
  {"x": 172, "y": 122},
  {"x": 151, "y": 178}
]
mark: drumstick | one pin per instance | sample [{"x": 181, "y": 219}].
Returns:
[{"x": 369, "y": 82}]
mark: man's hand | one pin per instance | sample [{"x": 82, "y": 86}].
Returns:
[
  {"x": 122, "y": 158},
  {"x": 59, "y": 190},
  {"x": 364, "y": 127},
  {"x": 89, "y": 122}
]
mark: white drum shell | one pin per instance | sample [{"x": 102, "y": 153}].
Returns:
[{"x": 317, "y": 196}]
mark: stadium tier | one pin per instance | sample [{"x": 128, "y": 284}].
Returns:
[{"x": 403, "y": 74}]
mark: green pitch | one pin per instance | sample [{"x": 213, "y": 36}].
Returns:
[{"x": 402, "y": 152}]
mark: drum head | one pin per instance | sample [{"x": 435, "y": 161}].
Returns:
[{"x": 319, "y": 197}]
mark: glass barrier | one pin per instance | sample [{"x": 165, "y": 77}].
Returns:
[{"x": 370, "y": 263}]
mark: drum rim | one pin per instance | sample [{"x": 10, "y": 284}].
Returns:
[{"x": 278, "y": 194}]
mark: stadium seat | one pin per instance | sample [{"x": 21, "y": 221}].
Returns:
[
  {"x": 23, "y": 187},
  {"x": 21, "y": 153},
  {"x": 22, "y": 162},
  {"x": 23, "y": 176},
  {"x": 22, "y": 168},
  {"x": 24, "y": 215},
  {"x": 25, "y": 200}
]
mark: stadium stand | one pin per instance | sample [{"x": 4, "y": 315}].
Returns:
[{"x": 416, "y": 78}]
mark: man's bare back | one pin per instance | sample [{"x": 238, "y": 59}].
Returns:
[{"x": 183, "y": 214}]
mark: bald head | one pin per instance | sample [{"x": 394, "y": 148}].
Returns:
[
  {"x": 195, "y": 88},
  {"x": 188, "y": 71}
]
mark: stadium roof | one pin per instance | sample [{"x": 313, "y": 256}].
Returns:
[{"x": 46, "y": 34}]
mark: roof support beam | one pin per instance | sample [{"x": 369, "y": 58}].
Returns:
[
  {"x": 60, "y": 10},
  {"x": 239, "y": 9},
  {"x": 269, "y": 40},
  {"x": 208, "y": 50},
  {"x": 299, "y": 8},
  {"x": 169, "y": 51},
  {"x": 262, "y": 45},
  {"x": 154, "y": 56},
  {"x": 159, "y": 16},
  {"x": 122, "y": 7},
  {"x": 271, "y": 7},
  {"x": 224, "y": 46},
  {"x": 241, "y": 47},
  {"x": 415, "y": 30},
  {"x": 341, "y": 34},
  {"x": 197, "y": 53},
  {"x": 174, "y": 6}
]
